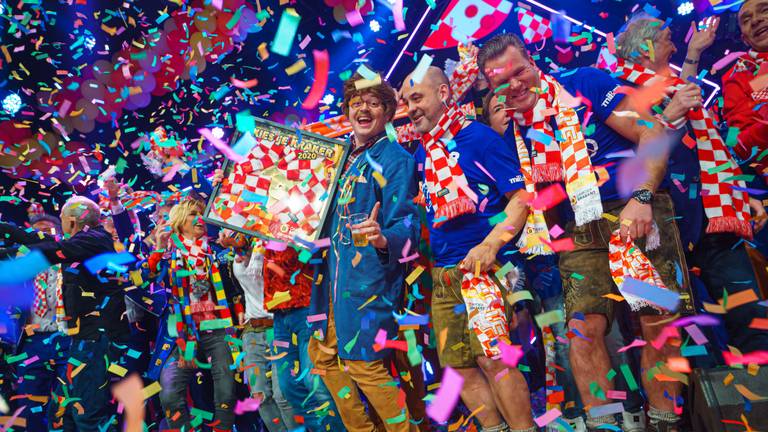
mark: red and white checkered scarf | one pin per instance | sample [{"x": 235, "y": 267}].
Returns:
[
  {"x": 627, "y": 261},
  {"x": 449, "y": 190},
  {"x": 553, "y": 159},
  {"x": 727, "y": 209},
  {"x": 194, "y": 255},
  {"x": 485, "y": 311}
]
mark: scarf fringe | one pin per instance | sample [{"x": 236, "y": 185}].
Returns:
[
  {"x": 537, "y": 249},
  {"x": 546, "y": 173},
  {"x": 459, "y": 206},
  {"x": 587, "y": 212},
  {"x": 730, "y": 224}
]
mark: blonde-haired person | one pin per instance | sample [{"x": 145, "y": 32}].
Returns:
[{"x": 198, "y": 306}]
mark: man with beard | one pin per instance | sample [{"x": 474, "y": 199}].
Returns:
[
  {"x": 373, "y": 221},
  {"x": 461, "y": 161},
  {"x": 543, "y": 110}
]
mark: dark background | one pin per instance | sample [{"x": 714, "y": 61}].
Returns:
[{"x": 61, "y": 24}]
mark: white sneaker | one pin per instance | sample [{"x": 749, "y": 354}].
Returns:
[
  {"x": 577, "y": 425},
  {"x": 633, "y": 422}
]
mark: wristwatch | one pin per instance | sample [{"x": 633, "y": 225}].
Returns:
[{"x": 643, "y": 196}]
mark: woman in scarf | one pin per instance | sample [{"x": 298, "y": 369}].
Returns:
[{"x": 198, "y": 320}]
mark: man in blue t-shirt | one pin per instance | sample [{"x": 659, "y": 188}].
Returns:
[
  {"x": 611, "y": 131},
  {"x": 473, "y": 192}
]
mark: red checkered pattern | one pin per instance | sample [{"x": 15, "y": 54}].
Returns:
[
  {"x": 547, "y": 161},
  {"x": 40, "y": 305},
  {"x": 626, "y": 260},
  {"x": 727, "y": 209},
  {"x": 570, "y": 156},
  {"x": 448, "y": 188},
  {"x": 533, "y": 27},
  {"x": 485, "y": 311}
]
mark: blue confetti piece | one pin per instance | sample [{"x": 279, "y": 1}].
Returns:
[
  {"x": 108, "y": 260},
  {"x": 459, "y": 309},
  {"x": 376, "y": 166},
  {"x": 538, "y": 136},
  {"x": 23, "y": 269},
  {"x": 659, "y": 296},
  {"x": 650, "y": 10}
]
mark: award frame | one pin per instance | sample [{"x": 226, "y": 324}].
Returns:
[{"x": 321, "y": 159}]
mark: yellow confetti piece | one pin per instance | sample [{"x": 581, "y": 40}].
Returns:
[
  {"x": 414, "y": 275},
  {"x": 728, "y": 379},
  {"x": 380, "y": 178},
  {"x": 519, "y": 296},
  {"x": 6, "y": 54},
  {"x": 610, "y": 217},
  {"x": 365, "y": 83},
  {"x": 747, "y": 393},
  {"x": 614, "y": 297},
  {"x": 263, "y": 51},
  {"x": 367, "y": 302},
  {"x": 117, "y": 369},
  {"x": 356, "y": 259},
  {"x": 278, "y": 298},
  {"x": 295, "y": 68},
  {"x": 78, "y": 369},
  {"x": 753, "y": 368},
  {"x": 151, "y": 390}
]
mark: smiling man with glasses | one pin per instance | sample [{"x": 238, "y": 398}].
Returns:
[{"x": 362, "y": 279}]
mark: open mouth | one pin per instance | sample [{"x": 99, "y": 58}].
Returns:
[{"x": 364, "y": 120}]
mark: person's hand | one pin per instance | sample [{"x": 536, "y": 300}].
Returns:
[
  {"x": 636, "y": 220},
  {"x": 483, "y": 253},
  {"x": 113, "y": 189},
  {"x": 468, "y": 52},
  {"x": 218, "y": 177},
  {"x": 371, "y": 228},
  {"x": 702, "y": 39},
  {"x": 162, "y": 234},
  {"x": 759, "y": 216},
  {"x": 241, "y": 318},
  {"x": 684, "y": 100},
  {"x": 186, "y": 364}
]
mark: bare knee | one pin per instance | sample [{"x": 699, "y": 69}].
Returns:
[
  {"x": 489, "y": 366},
  {"x": 592, "y": 328}
]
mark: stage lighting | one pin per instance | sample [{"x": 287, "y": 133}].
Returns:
[
  {"x": 685, "y": 8},
  {"x": 375, "y": 26},
  {"x": 327, "y": 99},
  {"x": 12, "y": 104},
  {"x": 217, "y": 132}
]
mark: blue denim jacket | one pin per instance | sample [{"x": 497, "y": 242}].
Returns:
[{"x": 366, "y": 285}]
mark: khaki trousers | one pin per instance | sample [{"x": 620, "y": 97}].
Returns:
[{"x": 346, "y": 376}]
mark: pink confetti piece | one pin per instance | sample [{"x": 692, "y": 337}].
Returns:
[
  {"x": 696, "y": 334},
  {"x": 510, "y": 354},
  {"x": 757, "y": 357},
  {"x": 31, "y": 360},
  {"x": 498, "y": 377},
  {"x": 354, "y": 18},
  {"x": 276, "y": 246},
  {"x": 701, "y": 319},
  {"x": 408, "y": 258},
  {"x": 246, "y": 405},
  {"x": 548, "y": 417},
  {"x": 221, "y": 146},
  {"x": 482, "y": 168},
  {"x": 281, "y": 344},
  {"x": 12, "y": 419},
  {"x": 726, "y": 60},
  {"x": 549, "y": 197},
  {"x": 322, "y": 66},
  {"x": 616, "y": 394},
  {"x": 556, "y": 231},
  {"x": 397, "y": 15},
  {"x": 130, "y": 393},
  {"x": 611, "y": 43},
  {"x": 317, "y": 317},
  {"x": 447, "y": 395},
  {"x": 406, "y": 248},
  {"x": 172, "y": 172},
  {"x": 303, "y": 44},
  {"x": 323, "y": 243},
  {"x": 482, "y": 205},
  {"x": 381, "y": 337},
  {"x": 689, "y": 34},
  {"x": 635, "y": 343},
  {"x": 666, "y": 333}
]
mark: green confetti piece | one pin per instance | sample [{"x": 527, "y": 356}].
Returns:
[
  {"x": 497, "y": 219},
  {"x": 744, "y": 177},
  {"x": 596, "y": 390},
  {"x": 399, "y": 419},
  {"x": 762, "y": 154},
  {"x": 549, "y": 318},
  {"x": 286, "y": 32},
  {"x": 611, "y": 374},
  {"x": 577, "y": 276},
  {"x": 732, "y": 138},
  {"x": 344, "y": 392},
  {"x": 349, "y": 345},
  {"x": 719, "y": 168},
  {"x": 235, "y": 18},
  {"x": 214, "y": 324},
  {"x": 414, "y": 356},
  {"x": 506, "y": 268},
  {"x": 523, "y": 368},
  {"x": 24, "y": 355},
  {"x": 631, "y": 383},
  {"x": 305, "y": 256},
  {"x": 189, "y": 351},
  {"x": 197, "y": 412},
  {"x": 245, "y": 121}
]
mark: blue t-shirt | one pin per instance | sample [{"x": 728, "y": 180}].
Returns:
[
  {"x": 473, "y": 145},
  {"x": 603, "y": 142}
]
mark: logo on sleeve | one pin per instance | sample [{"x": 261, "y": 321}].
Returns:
[
  {"x": 609, "y": 97},
  {"x": 516, "y": 179}
]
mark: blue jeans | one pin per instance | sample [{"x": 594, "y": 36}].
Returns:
[
  {"x": 304, "y": 391},
  {"x": 724, "y": 267},
  {"x": 38, "y": 377},
  {"x": 90, "y": 387},
  {"x": 174, "y": 381},
  {"x": 274, "y": 410}
]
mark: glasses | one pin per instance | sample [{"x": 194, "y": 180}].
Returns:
[{"x": 356, "y": 104}]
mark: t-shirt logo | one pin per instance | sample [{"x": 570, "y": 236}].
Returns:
[{"x": 609, "y": 97}]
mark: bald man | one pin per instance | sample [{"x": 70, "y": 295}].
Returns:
[
  {"x": 94, "y": 305},
  {"x": 468, "y": 177}
]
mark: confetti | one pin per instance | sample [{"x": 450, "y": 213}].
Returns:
[
  {"x": 286, "y": 32},
  {"x": 322, "y": 65},
  {"x": 447, "y": 396}
]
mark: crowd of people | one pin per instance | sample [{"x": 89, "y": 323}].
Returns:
[{"x": 533, "y": 240}]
